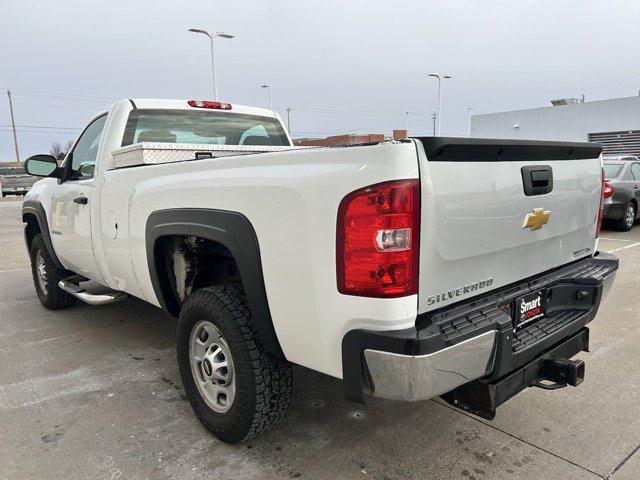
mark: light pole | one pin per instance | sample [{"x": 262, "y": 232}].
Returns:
[
  {"x": 268, "y": 87},
  {"x": 213, "y": 62},
  {"x": 440, "y": 77},
  {"x": 469, "y": 115},
  {"x": 289, "y": 119}
]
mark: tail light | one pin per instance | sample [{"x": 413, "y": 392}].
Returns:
[
  {"x": 607, "y": 190},
  {"x": 208, "y": 104},
  {"x": 378, "y": 240},
  {"x": 602, "y": 197}
]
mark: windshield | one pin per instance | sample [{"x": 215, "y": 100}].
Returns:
[
  {"x": 204, "y": 127},
  {"x": 612, "y": 170}
]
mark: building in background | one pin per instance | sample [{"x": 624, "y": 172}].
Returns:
[
  {"x": 614, "y": 123},
  {"x": 348, "y": 139}
]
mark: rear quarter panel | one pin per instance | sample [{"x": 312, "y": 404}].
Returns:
[{"x": 291, "y": 199}]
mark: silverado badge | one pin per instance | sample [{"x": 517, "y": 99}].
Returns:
[{"x": 537, "y": 219}]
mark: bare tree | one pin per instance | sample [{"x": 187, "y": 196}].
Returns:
[
  {"x": 56, "y": 150},
  {"x": 59, "y": 151}
]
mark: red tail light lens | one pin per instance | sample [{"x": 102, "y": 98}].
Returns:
[
  {"x": 607, "y": 190},
  {"x": 601, "y": 208},
  {"x": 378, "y": 240},
  {"x": 208, "y": 104}
]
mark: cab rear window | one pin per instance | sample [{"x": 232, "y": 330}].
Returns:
[{"x": 202, "y": 127}]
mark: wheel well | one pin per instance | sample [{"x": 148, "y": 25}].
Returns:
[
  {"x": 187, "y": 263},
  {"x": 31, "y": 229}
]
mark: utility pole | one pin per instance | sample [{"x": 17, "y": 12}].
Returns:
[
  {"x": 434, "y": 117},
  {"x": 289, "y": 119},
  {"x": 13, "y": 126}
]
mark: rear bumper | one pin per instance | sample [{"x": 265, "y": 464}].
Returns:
[
  {"x": 474, "y": 339},
  {"x": 417, "y": 377}
]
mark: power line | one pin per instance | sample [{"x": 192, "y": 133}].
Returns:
[
  {"x": 58, "y": 97},
  {"x": 38, "y": 126},
  {"x": 355, "y": 113},
  {"x": 66, "y": 132},
  {"x": 22, "y": 91},
  {"x": 361, "y": 113},
  {"x": 57, "y": 107}
]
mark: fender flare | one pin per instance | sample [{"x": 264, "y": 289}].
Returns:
[
  {"x": 235, "y": 232},
  {"x": 31, "y": 207}
]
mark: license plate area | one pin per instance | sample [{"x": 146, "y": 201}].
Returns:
[{"x": 529, "y": 309}]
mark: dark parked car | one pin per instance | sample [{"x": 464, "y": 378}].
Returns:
[{"x": 621, "y": 191}]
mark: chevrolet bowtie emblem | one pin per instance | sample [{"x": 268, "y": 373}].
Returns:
[{"x": 537, "y": 219}]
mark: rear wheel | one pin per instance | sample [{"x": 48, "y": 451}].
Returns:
[
  {"x": 46, "y": 277},
  {"x": 626, "y": 222},
  {"x": 235, "y": 388}
]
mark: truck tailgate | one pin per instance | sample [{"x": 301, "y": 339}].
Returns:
[{"x": 480, "y": 230}]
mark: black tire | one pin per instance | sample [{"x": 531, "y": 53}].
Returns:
[
  {"x": 625, "y": 223},
  {"x": 264, "y": 384},
  {"x": 54, "y": 297}
]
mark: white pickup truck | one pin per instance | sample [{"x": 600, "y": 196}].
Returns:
[{"x": 460, "y": 267}]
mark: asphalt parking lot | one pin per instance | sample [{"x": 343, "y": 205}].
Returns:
[{"x": 94, "y": 392}]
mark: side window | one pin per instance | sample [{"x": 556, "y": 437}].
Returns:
[
  {"x": 84, "y": 154},
  {"x": 635, "y": 171}
]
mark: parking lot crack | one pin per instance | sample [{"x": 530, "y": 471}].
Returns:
[
  {"x": 537, "y": 447},
  {"x": 624, "y": 460}
]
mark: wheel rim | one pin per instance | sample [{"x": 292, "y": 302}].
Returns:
[
  {"x": 629, "y": 218},
  {"x": 41, "y": 272},
  {"x": 212, "y": 366}
]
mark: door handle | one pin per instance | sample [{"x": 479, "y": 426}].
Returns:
[{"x": 81, "y": 200}]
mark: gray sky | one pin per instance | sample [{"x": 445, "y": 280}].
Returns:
[{"x": 343, "y": 66}]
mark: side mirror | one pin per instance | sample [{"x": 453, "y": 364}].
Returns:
[{"x": 42, "y": 166}]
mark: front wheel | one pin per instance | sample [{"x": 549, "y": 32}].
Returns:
[
  {"x": 235, "y": 388},
  {"x": 46, "y": 277},
  {"x": 626, "y": 222}
]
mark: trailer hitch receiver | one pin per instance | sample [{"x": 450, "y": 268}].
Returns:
[
  {"x": 563, "y": 371},
  {"x": 551, "y": 370}
]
